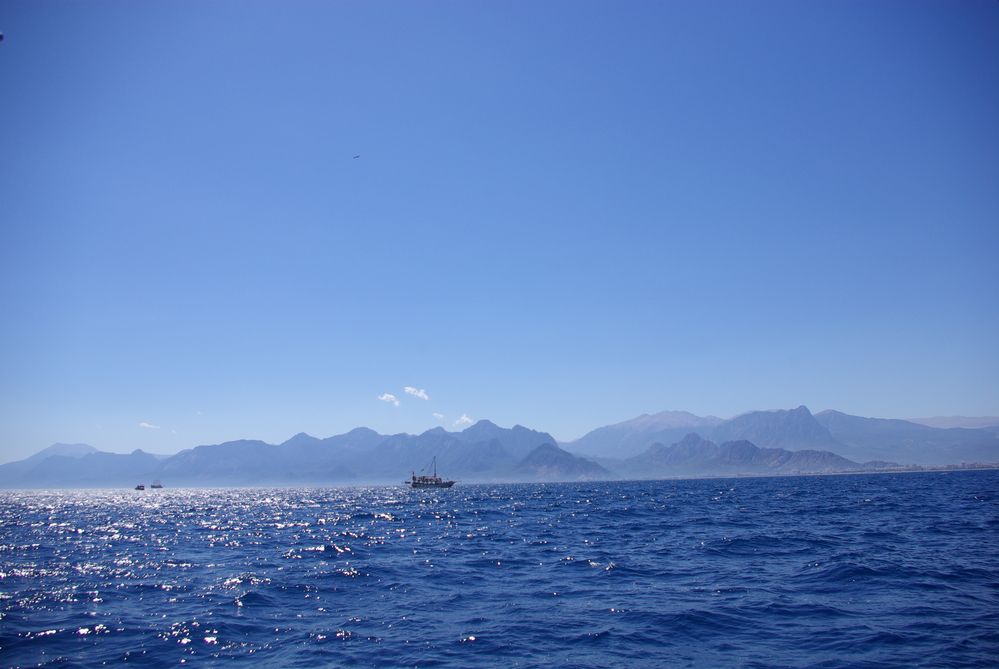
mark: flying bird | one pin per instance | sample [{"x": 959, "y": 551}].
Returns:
[{"x": 357, "y": 156}]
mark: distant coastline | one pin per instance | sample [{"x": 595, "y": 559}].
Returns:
[{"x": 664, "y": 446}]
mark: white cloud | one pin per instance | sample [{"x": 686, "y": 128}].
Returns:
[
  {"x": 390, "y": 398},
  {"x": 148, "y": 426},
  {"x": 417, "y": 392},
  {"x": 438, "y": 416},
  {"x": 464, "y": 421}
]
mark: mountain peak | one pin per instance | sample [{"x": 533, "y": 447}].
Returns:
[
  {"x": 692, "y": 439},
  {"x": 668, "y": 419},
  {"x": 549, "y": 462},
  {"x": 792, "y": 429},
  {"x": 65, "y": 450},
  {"x": 483, "y": 429},
  {"x": 546, "y": 448},
  {"x": 633, "y": 436},
  {"x": 300, "y": 438}
]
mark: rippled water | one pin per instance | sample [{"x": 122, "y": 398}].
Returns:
[{"x": 878, "y": 570}]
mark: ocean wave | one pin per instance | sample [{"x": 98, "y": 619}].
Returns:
[{"x": 850, "y": 571}]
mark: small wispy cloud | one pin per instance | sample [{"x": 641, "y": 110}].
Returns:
[
  {"x": 438, "y": 416},
  {"x": 464, "y": 421},
  {"x": 148, "y": 426},
  {"x": 417, "y": 392},
  {"x": 390, "y": 398}
]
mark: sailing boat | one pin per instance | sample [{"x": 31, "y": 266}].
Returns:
[{"x": 429, "y": 481}]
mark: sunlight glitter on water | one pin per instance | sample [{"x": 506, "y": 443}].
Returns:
[{"x": 749, "y": 572}]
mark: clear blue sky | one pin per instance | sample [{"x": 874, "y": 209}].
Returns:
[{"x": 564, "y": 214}]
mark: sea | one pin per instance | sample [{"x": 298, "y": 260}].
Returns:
[{"x": 885, "y": 570}]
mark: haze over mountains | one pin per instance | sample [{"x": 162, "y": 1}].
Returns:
[
  {"x": 632, "y": 437},
  {"x": 972, "y": 422},
  {"x": 694, "y": 455},
  {"x": 853, "y": 437},
  {"x": 667, "y": 444},
  {"x": 482, "y": 452}
]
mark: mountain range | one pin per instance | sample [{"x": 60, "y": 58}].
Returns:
[
  {"x": 632, "y": 437},
  {"x": 667, "y": 444},
  {"x": 694, "y": 455},
  {"x": 482, "y": 452},
  {"x": 856, "y": 438}
]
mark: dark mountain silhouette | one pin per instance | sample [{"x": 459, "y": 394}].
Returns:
[
  {"x": 793, "y": 429},
  {"x": 518, "y": 441},
  {"x": 777, "y": 442},
  {"x": 483, "y": 452},
  {"x": 548, "y": 462},
  {"x": 695, "y": 455}
]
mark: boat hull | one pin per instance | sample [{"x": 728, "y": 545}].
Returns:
[{"x": 442, "y": 484}]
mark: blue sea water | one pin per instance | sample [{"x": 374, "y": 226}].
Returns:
[{"x": 839, "y": 571}]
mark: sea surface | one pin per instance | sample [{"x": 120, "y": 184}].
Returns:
[{"x": 891, "y": 570}]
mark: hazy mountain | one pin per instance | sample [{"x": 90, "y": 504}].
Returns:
[
  {"x": 782, "y": 441},
  {"x": 23, "y": 468},
  {"x": 907, "y": 442},
  {"x": 518, "y": 441},
  {"x": 483, "y": 452},
  {"x": 792, "y": 429},
  {"x": 401, "y": 454},
  {"x": 971, "y": 422},
  {"x": 631, "y": 437},
  {"x": 68, "y": 450},
  {"x": 550, "y": 463},
  {"x": 90, "y": 469},
  {"x": 243, "y": 462},
  {"x": 697, "y": 456},
  {"x": 858, "y": 439}
]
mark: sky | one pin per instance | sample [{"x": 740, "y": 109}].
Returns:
[{"x": 249, "y": 219}]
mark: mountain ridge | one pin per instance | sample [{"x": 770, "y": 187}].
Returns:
[
  {"x": 481, "y": 452},
  {"x": 632, "y": 436},
  {"x": 853, "y": 437},
  {"x": 666, "y": 444},
  {"x": 695, "y": 454}
]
